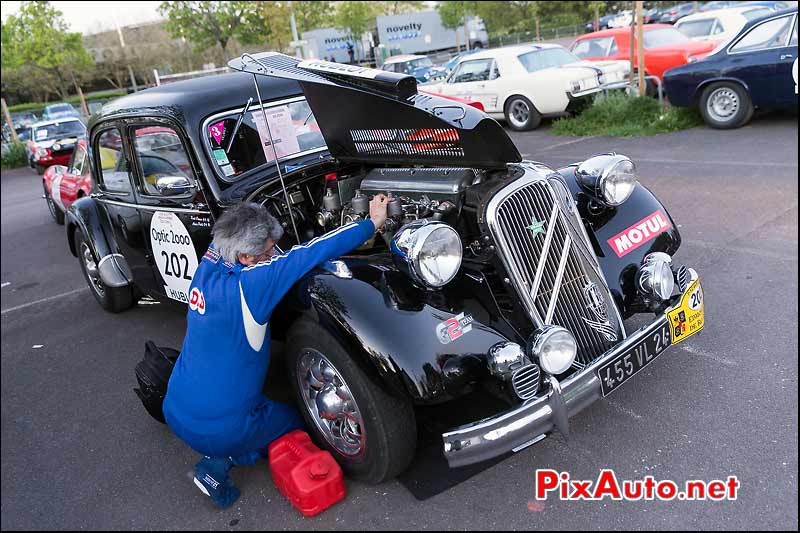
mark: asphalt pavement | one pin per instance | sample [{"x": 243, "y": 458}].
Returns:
[{"x": 79, "y": 452}]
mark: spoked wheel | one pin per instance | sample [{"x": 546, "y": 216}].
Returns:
[
  {"x": 370, "y": 432},
  {"x": 114, "y": 299}
]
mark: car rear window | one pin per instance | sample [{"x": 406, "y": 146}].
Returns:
[
  {"x": 547, "y": 58},
  {"x": 239, "y": 150},
  {"x": 696, "y": 28},
  {"x": 595, "y": 47},
  {"x": 57, "y": 130},
  {"x": 663, "y": 37}
]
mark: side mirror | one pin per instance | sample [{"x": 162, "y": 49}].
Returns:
[{"x": 173, "y": 185}]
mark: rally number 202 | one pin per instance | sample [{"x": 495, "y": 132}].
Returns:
[{"x": 174, "y": 260}]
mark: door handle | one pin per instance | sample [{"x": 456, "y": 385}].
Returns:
[{"x": 786, "y": 56}]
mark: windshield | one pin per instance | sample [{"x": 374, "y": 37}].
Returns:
[
  {"x": 237, "y": 151},
  {"x": 663, "y": 37},
  {"x": 57, "y": 130},
  {"x": 547, "y": 58},
  {"x": 694, "y": 28},
  {"x": 419, "y": 63},
  {"x": 59, "y": 107}
]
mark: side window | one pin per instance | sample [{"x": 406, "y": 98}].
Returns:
[
  {"x": 593, "y": 47},
  {"x": 389, "y": 67},
  {"x": 718, "y": 27},
  {"x": 78, "y": 161},
  {"x": 770, "y": 34},
  {"x": 478, "y": 70},
  {"x": 160, "y": 152},
  {"x": 793, "y": 40},
  {"x": 495, "y": 71},
  {"x": 113, "y": 164}
]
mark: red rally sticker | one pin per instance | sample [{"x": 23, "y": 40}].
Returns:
[
  {"x": 197, "y": 302},
  {"x": 646, "y": 229}
]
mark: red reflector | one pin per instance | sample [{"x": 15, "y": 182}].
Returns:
[{"x": 330, "y": 177}]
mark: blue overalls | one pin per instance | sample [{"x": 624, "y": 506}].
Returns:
[{"x": 214, "y": 401}]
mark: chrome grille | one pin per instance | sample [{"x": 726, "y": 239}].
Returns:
[
  {"x": 549, "y": 263},
  {"x": 525, "y": 381},
  {"x": 434, "y": 142}
]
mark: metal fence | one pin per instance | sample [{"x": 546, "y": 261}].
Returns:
[{"x": 545, "y": 34}]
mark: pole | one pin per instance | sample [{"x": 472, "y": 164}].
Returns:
[
  {"x": 466, "y": 33},
  {"x": 633, "y": 65},
  {"x": 638, "y": 16},
  {"x": 538, "y": 35},
  {"x": 10, "y": 122},
  {"x": 297, "y": 49},
  {"x": 83, "y": 100}
]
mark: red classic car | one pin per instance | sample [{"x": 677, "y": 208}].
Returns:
[
  {"x": 65, "y": 184},
  {"x": 664, "y": 48},
  {"x": 51, "y": 142}
]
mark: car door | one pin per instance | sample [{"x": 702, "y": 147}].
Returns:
[
  {"x": 72, "y": 178},
  {"x": 176, "y": 222},
  {"x": 475, "y": 80},
  {"x": 116, "y": 196},
  {"x": 763, "y": 58}
]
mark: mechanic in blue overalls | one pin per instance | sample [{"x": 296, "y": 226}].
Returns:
[{"x": 214, "y": 401}]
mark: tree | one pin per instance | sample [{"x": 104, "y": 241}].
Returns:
[
  {"x": 596, "y": 8},
  {"x": 355, "y": 18},
  {"x": 207, "y": 23},
  {"x": 456, "y": 13},
  {"x": 312, "y": 14},
  {"x": 398, "y": 7},
  {"x": 38, "y": 37}
]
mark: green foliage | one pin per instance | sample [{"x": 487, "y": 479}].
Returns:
[
  {"x": 355, "y": 18},
  {"x": 621, "y": 115},
  {"x": 15, "y": 156},
  {"x": 453, "y": 13},
  {"x": 34, "y": 106},
  {"x": 207, "y": 23},
  {"x": 309, "y": 15}
]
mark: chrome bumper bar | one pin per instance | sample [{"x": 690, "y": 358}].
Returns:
[{"x": 527, "y": 423}]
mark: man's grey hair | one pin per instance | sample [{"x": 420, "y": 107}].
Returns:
[{"x": 244, "y": 229}]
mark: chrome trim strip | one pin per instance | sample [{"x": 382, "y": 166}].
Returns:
[
  {"x": 153, "y": 208},
  {"x": 562, "y": 266},
  {"x": 551, "y": 226}
]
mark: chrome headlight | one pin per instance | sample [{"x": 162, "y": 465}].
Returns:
[
  {"x": 428, "y": 251},
  {"x": 610, "y": 177},
  {"x": 555, "y": 347},
  {"x": 656, "y": 279},
  {"x": 41, "y": 152},
  {"x": 56, "y": 147}
]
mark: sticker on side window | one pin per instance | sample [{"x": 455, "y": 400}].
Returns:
[
  {"x": 282, "y": 129},
  {"x": 221, "y": 157},
  {"x": 217, "y": 131},
  {"x": 41, "y": 134},
  {"x": 174, "y": 254}
]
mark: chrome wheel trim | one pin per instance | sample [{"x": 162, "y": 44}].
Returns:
[
  {"x": 91, "y": 269},
  {"x": 723, "y": 104},
  {"x": 519, "y": 113},
  {"x": 329, "y": 402}
]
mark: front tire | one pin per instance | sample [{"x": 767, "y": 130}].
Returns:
[
  {"x": 521, "y": 115},
  {"x": 55, "y": 212},
  {"x": 40, "y": 169},
  {"x": 113, "y": 299},
  {"x": 372, "y": 434},
  {"x": 726, "y": 105}
]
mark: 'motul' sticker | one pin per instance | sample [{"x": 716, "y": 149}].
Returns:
[
  {"x": 648, "y": 228},
  {"x": 173, "y": 252}
]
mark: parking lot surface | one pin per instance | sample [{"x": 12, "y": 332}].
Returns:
[{"x": 79, "y": 451}]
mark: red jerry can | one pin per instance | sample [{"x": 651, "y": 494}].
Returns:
[{"x": 309, "y": 477}]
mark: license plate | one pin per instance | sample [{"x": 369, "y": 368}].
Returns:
[
  {"x": 682, "y": 321},
  {"x": 617, "y": 371}
]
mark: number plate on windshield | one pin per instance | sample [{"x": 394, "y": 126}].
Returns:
[{"x": 618, "y": 370}]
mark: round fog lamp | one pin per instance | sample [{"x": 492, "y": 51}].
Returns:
[
  {"x": 555, "y": 347},
  {"x": 655, "y": 277}
]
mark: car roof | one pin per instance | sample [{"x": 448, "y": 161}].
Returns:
[
  {"x": 42, "y": 123},
  {"x": 402, "y": 57},
  {"x": 774, "y": 14},
  {"x": 188, "y": 102},
  {"x": 513, "y": 50},
  {"x": 721, "y": 13},
  {"x": 620, "y": 31}
]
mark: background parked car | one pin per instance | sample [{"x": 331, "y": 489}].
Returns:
[
  {"x": 522, "y": 83},
  {"x": 421, "y": 67},
  {"x": 671, "y": 16},
  {"x": 65, "y": 184},
  {"x": 62, "y": 110},
  {"x": 718, "y": 4},
  {"x": 664, "y": 48},
  {"x": 51, "y": 142},
  {"x": 721, "y": 24},
  {"x": 758, "y": 68},
  {"x": 602, "y": 21}
]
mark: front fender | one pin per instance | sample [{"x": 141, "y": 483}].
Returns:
[
  {"x": 88, "y": 216},
  {"x": 397, "y": 332},
  {"x": 606, "y": 229}
]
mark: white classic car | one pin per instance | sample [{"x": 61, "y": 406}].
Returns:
[
  {"x": 522, "y": 83},
  {"x": 720, "y": 24}
]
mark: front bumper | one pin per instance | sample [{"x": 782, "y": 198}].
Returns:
[{"x": 530, "y": 421}]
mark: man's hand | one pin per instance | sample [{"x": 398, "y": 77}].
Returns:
[{"x": 377, "y": 210}]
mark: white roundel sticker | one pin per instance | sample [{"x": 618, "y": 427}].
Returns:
[
  {"x": 55, "y": 191},
  {"x": 174, "y": 253}
]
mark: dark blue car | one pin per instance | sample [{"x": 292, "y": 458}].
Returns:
[{"x": 755, "y": 69}]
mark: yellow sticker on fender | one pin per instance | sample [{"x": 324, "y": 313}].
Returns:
[{"x": 687, "y": 318}]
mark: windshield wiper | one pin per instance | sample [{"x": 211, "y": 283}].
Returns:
[{"x": 238, "y": 123}]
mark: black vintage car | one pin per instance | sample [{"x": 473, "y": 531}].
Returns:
[{"x": 493, "y": 275}]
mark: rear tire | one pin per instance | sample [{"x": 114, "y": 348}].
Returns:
[
  {"x": 521, "y": 115},
  {"x": 55, "y": 211},
  {"x": 382, "y": 440},
  {"x": 726, "y": 105},
  {"x": 113, "y": 299}
]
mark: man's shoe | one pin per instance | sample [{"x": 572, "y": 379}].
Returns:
[{"x": 211, "y": 477}]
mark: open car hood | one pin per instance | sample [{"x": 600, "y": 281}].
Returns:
[{"x": 378, "y": 117}]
